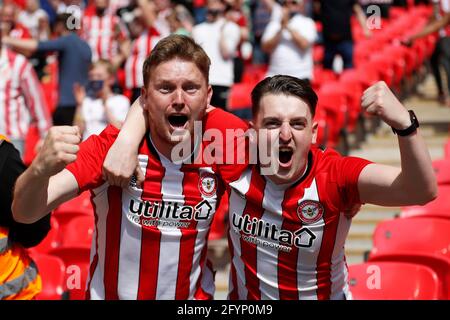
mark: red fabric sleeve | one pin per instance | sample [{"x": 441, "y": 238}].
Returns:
[
  {"x": 235, "y": 159},
  {"x": 87, "y": 169},
  {"x": 348, "y": 171}
]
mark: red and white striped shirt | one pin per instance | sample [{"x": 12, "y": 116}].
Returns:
[
  {"x": 21, "y": 97},
  {"x": 150, "y": 241},
  {"x": 103, "y": 34},
  {"x": 287, "y": 242},
  {"x": 141, "y": 48}
]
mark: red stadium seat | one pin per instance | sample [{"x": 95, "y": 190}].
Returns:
[
  {"x": 253, "y": 73},
  {"x": 321, "y": 119},
  {"x": 322, "y": 76},
  {"x": 240, "y": 96},
  {"x": 440, "y": 207},
  {"x": 79, "y": 206},
  {"x": 78, "y": 232},
  {"x": 51, "y": 241},
  {"x": 318, "y": 53},
  {"x": 423, "y": 241},
  {"x": 76, "y": 260},
  {"x": 332, "y": 99},
  {"x": 442, "y": 170},
  {"x": 447, "y": 150},
  {"x": 53, "y": 272},
  {"x": 387, "y": 281},
  {"x": 385, "y": 68},
  {"x": 353, "y": 89}
]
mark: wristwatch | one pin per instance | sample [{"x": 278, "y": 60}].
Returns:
[{"x": 412, "y": 128}]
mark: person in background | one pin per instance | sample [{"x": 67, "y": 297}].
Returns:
[
  {"x": 382, "y": 5},
  {"x": 21, "y": 98},
  {"x": 163, "y": 8},
  {"x": 19, "y": 277},
  {"x": 219, "y": 37},
  {"x": 74, "y": 59},
  {"x": 440, "y": 21},
  {"x": 145, "y": 38},
  {"x": 235, "y": 12},
  {"x": 261, "y": 15},
  {"x": 180, "y": 21},
  {"x": 97, "y": 105},
  {"x": 335, "y": 16},
  {"x": 35, "y": 20},
  {"x": 106, "y": 34},
  {"x": 9, "y": 22},
  {"x": 289, "y": 42}
]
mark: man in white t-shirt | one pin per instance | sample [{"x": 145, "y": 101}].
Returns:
[
  {"x": 289, "y": 42},
  {"x": 97, "y": 105},
  {"x": 219, "y": 38},
  {"x": 35, "y": 20}
]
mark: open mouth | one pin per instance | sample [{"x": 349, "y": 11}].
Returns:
[
  {"x": 178, "y": 120},
  {"x": 285, "y": 156}
]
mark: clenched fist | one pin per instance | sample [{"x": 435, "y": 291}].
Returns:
[
  {"x": 60, "y": 148},
  {"x": 380, "y": 100}
]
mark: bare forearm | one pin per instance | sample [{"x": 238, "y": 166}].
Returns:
[
  {"x": 432, "y": 27},
  {"x": 30, "y": 197},
  {"x": 300, "y": 41},
  {"x": 224, "y": 51},
  {"x": 135, "y": 125},
  {"x": 417, "y": 176},
  {"x": 271, "y": 43},
  {"x": 26, "y": 46},
  {"x": 360, "y": 16}
]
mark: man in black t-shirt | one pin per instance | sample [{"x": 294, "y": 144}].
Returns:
[
  {"x": 19, "y": 277},
  {"x": 335, "y": 16}
]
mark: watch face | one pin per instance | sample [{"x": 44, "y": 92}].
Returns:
[{"x": 414, "y": 120}]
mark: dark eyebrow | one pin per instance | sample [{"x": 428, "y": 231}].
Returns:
[
  {"x": 270, "y": 119},
  {"x": 191, "y": 83},
  {"x": 300, "y": 119},
  {"x": 163, "y": 81}
]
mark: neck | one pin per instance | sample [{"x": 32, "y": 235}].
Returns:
[{"x": 165, "y": 148}]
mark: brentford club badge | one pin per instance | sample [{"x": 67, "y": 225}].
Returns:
[
  {"x": 310, "y": 211},
  {"x": 207, "y": 184}
]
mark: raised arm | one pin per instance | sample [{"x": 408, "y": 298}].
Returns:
[
  {"x": 431, "y": 28},
  {"x": 46, "y": 184},
  {"x": 361, "y": 17},
  {"x": 121, "y": 161},
  {"x": 24, "y": 46},
  {"x": 414, "y": 182}
]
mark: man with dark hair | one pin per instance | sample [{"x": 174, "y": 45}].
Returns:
[
  {"x": 74, "y": 59},
  {"x": 150, "y": 236},
  {"x": 288, "y": 228}
]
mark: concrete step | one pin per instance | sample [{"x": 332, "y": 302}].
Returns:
[
  {"x": 374, "y": 208},
  {"x": 391, "y": 156},
  {"x": 358, "y": 247},
  {"x": 390, "y": 142},
  {"x": 352, "y": 259},
  {"x": 374, "y": 216}
]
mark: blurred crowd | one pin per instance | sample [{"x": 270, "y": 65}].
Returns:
[{"x": 87, "y": 55}]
